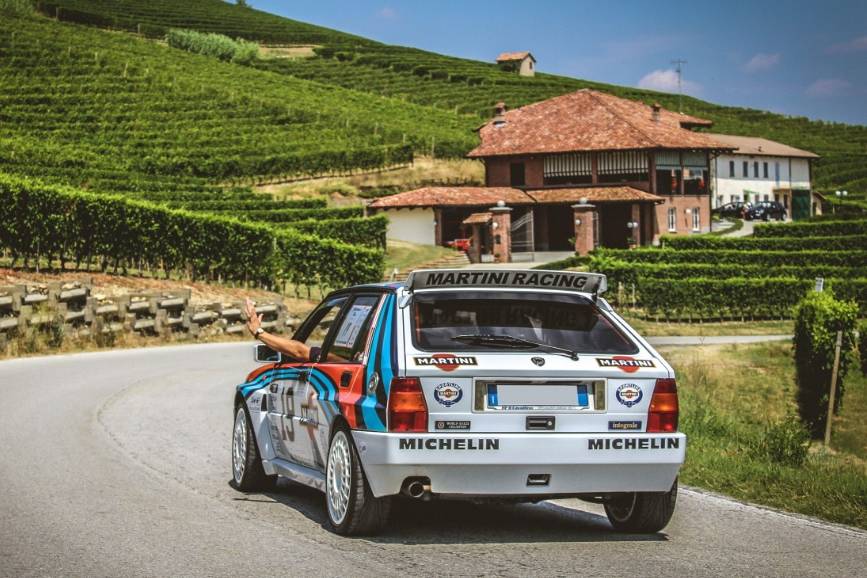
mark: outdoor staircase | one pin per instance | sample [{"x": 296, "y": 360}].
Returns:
[{"x": 456, "y": 261}]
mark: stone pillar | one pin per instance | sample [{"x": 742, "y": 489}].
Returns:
[
  {"x": 584, "y": 221},
  {"x": 475, "y": 252},
  {"x": 502, "y": 232}
]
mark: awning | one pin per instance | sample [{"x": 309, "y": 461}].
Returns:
[{"x": 478, "y": 219}]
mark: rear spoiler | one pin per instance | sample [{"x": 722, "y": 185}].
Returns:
[{"x": 579, "y": 282}]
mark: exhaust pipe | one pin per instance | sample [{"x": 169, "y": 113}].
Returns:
[{"x": 417, "y": 489}]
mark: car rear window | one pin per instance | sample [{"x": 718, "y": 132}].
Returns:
[{"x": 568, "y": 321}]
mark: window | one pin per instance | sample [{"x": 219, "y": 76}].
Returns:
[
  {"x": 672, "y": 220},
  {"x": 746, "y": 169},
  {"x": 349, "y": 339},
  {"x": 736, "y": 198},
  {"x": 566, "y": 321},
  {"x": 777, "y": 173},
  {"x": 755, "y": 169},
  {"x": 767, "y": 197},
  {"x": 668, "y": 182},
  {"x": 695, "y": 183},
  {"x": 516, "y": 174},
  {"x": 765, "y": 170},
  {"x": 696, "y": 219},
  {"x": 732, "y": 169},
  {"x": 315, "y": 330}
]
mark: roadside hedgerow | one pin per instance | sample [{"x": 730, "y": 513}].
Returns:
[
  {"x": 818, "y": 318},
  {"x": 784, "y": 442}
]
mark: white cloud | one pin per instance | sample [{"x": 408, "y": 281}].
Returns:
[
  {"x": 387, "y": 13},
  {"x": 762, "y": 61},
  {"x": 825, "y": 87},
  {"x": 855, "y": 45},
  {"x": 666, "y": 81}
]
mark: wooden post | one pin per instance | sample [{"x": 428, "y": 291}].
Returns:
[{"x": 833, "y": 396}]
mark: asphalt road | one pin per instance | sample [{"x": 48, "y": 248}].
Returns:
[{"x": 117, "y": 464}]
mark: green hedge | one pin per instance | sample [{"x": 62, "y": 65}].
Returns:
[
  {"x": 737, "y": 297},
  {"x": 813, "y": 229},
  {"x": 628, "y": 273},
  {"x": 290, "y": 215},
  {"x": 257, "y": 204},
  {"x": 41, "y": 220},
  {"x": 738, "y": 257},
  {"x": 830, "y": 243},
  {"x": 369, "y": 231},
  {"x": 818, "y": 318}
]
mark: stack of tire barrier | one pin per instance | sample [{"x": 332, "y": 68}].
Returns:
[{"x": 72, "y": 309}]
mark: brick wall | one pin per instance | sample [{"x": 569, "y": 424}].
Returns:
[{"x": 684, "y": 221}]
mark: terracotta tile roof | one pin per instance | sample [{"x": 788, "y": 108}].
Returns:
[
  {"x": 454, "y": 197},
  {"x": 750, "y": 145},
  {"x": 488, "y": 196},
  {"x": 592, "y": 194},
  {"x": 510, "y": 56},
  {"x": 589, "y": 120},
  {"x": 478, "y": 219}
]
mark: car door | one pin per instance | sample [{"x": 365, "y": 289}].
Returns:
[
  {"x": 288, "y": 407},
  {"x": 336, "y": 378}
]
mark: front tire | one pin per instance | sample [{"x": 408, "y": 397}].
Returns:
[
  {"x": 642, "y": 512},
  {"x": 247, "y": 472},
  {"x": 352, "y": 507}
]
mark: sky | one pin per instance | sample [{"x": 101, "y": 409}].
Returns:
[{"x": 797, "y": 57}]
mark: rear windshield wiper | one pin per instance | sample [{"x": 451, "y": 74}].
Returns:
[{"x": 511, "y": 341}]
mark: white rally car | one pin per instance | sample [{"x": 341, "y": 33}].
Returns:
[{"x": 466, "y": 384}]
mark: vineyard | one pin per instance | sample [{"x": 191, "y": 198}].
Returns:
[
  {"x": 460, "y": 86},
  {"x": 718, "y": 278}
]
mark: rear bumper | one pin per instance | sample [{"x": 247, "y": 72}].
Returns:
[{"x": 499, "y": 464}]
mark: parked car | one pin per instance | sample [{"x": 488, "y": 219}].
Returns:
[
  {"x": 734, "y": 210},
  {"x": 767, "y": 210},
  {"x": 513, "y": 385}
]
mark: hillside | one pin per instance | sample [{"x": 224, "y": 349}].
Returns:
[
  {"x": 115, "y": 112},
  {"x": 454, "y": 84}
]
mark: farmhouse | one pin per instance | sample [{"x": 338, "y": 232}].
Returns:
[
  {"x": 521, "y": 62},
  {"x": 763, "y": 170},
  {"x": 574, "y": 172}
]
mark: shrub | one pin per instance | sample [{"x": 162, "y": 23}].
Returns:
[
  {"x": 785, "y": 442},
  {"x": 17, "y": 7},
  {"x": 814, "y": 229},
  {"x": 216, "y": 45},
  {"x": 818, "y": 317}
]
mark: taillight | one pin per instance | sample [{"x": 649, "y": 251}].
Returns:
[
  {"x": 407, "y": 410},
  {"x": 662, "y": 417}
]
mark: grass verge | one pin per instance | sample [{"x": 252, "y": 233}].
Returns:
[
  {"x": 400, "y": 255},
  {"x": 735, "y": 400}
]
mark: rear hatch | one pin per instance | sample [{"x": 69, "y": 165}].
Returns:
[{"x": 524, "y": 361}]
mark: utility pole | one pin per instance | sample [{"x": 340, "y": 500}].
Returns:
[{"x": 678, "y": 67}]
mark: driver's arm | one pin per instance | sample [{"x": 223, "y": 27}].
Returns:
[{"x": 290, "y": 347}]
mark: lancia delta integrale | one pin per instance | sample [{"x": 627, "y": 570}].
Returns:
[{"x": 465, "y": 384}]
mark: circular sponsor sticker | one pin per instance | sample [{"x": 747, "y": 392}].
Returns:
[
  {"x": 448, "y": 394},
  {"x": 629, "y": 394}
]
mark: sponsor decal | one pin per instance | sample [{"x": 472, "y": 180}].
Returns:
[
  {"x": 540, "y": 361},
  {"x": 542, "y": 279},
  {"x": 255, "y": 403},
  {"x": 448, "y": 393},
  {"x": 633, "y": 444},
  {"x": 452, "y": 424},
  {"x": 482, "y": 444},
  {"x": 625, "y": 363},
  {"x": 445, "y": 361},
  {"x": 634, "y": 425},
  {"x": 628, "y": 394}
]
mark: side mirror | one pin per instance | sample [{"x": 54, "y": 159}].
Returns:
[{"x": 264, "y": 354}]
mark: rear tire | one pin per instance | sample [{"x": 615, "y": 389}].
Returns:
[
  {"x": 247, "y": 472},
  {"x": 642, "y": 512},
  {"x": 352, "y": 507}
]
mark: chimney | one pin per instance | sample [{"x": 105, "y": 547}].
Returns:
[
  {"x": 500, "y": 114},
  {"x": 655, "y": 106}
]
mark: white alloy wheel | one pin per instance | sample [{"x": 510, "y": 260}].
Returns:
[
  {"x": 239, "y": 445},
  {"x": 338, "y": 480}
]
